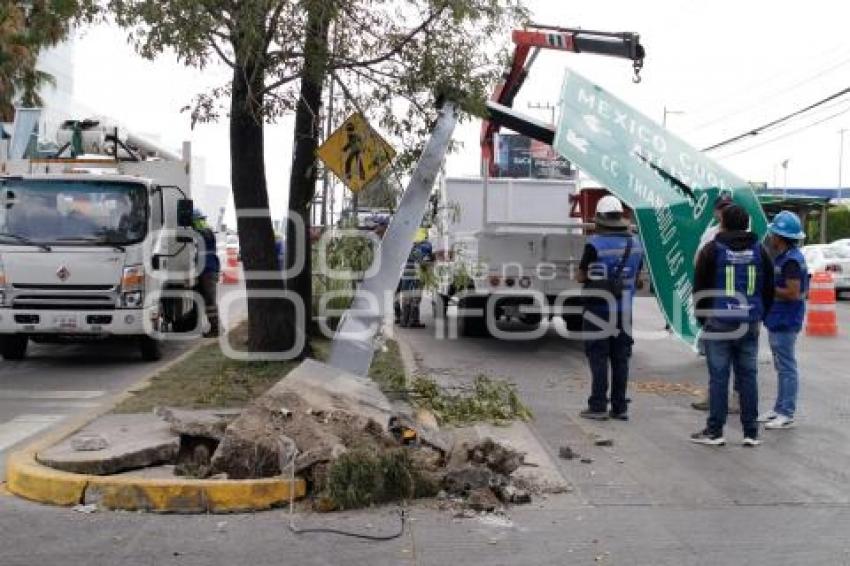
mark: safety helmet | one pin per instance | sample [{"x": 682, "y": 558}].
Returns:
[
  {"x": 788, "y": 225},
  {"x": 609, "y": 205}
]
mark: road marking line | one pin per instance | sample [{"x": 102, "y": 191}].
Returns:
[
  {"x": 19, "y": 394},
  {"x": 24, "y": 426},
  {"x": 39, "y": 405}
]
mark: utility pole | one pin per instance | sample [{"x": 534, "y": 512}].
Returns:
[
  {"x": 841, "y": 163},
  {"x": 544, "y": 106},
  {"x": 668, "y": 112},
  {"x": 326, "y": 180}
]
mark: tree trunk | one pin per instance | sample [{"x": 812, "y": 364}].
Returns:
[
  {"x": 270, "y": 320},
  {"x": 302, "y": 185}
]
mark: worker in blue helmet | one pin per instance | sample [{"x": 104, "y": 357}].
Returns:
[
  {"x": 785, "y": 320},
  {"x": 207, "y": 283}
]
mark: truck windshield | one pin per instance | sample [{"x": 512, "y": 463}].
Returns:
[{"x": 72, "y": 212}]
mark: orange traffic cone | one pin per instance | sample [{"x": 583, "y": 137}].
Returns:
[
  {"x": 822, "y": 319},
  {"x": 230, "y": 273}
]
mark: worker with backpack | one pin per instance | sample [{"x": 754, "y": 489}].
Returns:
[{"x": 733, "y": 290}]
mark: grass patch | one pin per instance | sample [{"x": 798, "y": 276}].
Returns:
[
  {"x": 209, "y": 379},
  {"x": 486, "y": 401},
  {"x": 368, "y": 476},
  {"x": 387, "y": 370}
]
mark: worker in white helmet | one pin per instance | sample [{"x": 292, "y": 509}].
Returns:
[{"x": 609, "y": 271}]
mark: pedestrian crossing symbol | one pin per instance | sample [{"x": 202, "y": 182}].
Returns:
[{"x": 356, "y": 153}]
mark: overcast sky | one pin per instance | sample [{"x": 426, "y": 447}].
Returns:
[{"x": 724, "y": 67}]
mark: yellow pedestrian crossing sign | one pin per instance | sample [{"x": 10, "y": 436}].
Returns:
[{"x": 356, "y": 153}]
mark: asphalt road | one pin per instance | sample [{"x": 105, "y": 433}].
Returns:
[
  {"x": 56, "y": 382},
  {"x": 652, "y": 498}
]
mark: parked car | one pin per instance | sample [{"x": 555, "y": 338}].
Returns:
[
  {"x": 843, "y": 243},
  {"x": 831, "y": 258}
]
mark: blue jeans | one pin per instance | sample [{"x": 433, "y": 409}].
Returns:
[
  {"x": 614, "y": 351},
  {"x": 741, "y": 356},
  {"x": 782, "y": 345}
]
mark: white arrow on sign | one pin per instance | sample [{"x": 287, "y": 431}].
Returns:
[
  {"x": 577, "y": 141},
  {"x": 594, "y": 125}
]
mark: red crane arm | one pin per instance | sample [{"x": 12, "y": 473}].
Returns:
[{"x": 528, "y": 43}]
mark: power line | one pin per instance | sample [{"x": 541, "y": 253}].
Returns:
[
  {"x": 758, "y": 130},
  {"x": 783, "y": 90},
  {"x": 787, "y": 134}
]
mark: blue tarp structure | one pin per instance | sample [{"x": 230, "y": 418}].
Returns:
[{"x": 805, "y": 192}]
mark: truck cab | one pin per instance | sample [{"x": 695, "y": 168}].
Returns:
[{"x": 93, "y": 248}]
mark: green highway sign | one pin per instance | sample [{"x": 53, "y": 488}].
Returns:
[{"x": 670, "y": 185}]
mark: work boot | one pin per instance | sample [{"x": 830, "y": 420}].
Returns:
[
  {"x": 594, "y": 415},
  {"x": 213, "y": 332}
]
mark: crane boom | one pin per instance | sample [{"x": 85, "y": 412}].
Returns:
[{"x": 529, "y": 42}]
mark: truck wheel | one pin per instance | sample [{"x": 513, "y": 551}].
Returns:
[
  {"x": 14, "y": 348},
  {"x": 473, "y": 326},
  {"x": 150, "y": 348}
]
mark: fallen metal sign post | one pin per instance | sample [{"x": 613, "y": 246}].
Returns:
[{"x": 353, "y": 346}]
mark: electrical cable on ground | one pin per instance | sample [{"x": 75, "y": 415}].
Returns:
[
  {"x": 323, "y": 530},
  {"x": 758, "y": 130}
]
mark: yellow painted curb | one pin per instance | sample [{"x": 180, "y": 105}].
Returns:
[{"x": 28, "y": 479}]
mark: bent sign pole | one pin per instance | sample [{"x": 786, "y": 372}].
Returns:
[
  {"x": 353, "y": 345},
  {"x": 670, "y": 185}
]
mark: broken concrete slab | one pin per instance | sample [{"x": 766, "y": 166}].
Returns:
[
  {"x": 327, "y": 410},
  {"x": 500, "y": 459},
  {"x": 89, "y": 443},
  {"x": 326, "y": 388},
  {"x": 469, "y": 478},
  {"x": 539, "y": 472},
  {"x": 135, "y": 441},
  {"x": 210, "y": 423}
]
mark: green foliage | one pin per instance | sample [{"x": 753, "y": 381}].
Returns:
[
  {"x": 369, "y": 476},
  {"x": 387, "y": 370},
  {"x": 838, "y": 223},
  {"x": 487, "y": 400},
  {"x": 392, "y": 57},
  {"x": 25, "y": 29}
]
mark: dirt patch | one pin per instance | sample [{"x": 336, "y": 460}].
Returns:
[{"x": 667, "y": 388}]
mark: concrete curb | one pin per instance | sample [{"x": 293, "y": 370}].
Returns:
[{"x": 28, "y": 479}]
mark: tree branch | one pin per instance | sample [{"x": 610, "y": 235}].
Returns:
[
  {"x": 398, "y": 48},
  {"x": 221, "y": 53}
]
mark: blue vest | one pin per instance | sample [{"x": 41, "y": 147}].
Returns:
[
  {"x": 609, "y": 255},
  {"x": 739, "y": 277},
  {"x": 211, "y": 261},
  {"x": 788, "y": 316}
]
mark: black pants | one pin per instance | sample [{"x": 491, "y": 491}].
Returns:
[
  {"x": 208, "y": 289},
  {"x": 603, "y": 353}
]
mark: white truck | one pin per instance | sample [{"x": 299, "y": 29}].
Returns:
[
  {"x": 512, "y": 243},
  {"x": 95, "y": 246}
]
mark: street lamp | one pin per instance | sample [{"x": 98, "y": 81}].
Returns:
[
  {"x": 841, "y": 162},
  {"x": 785, "y": 177}
]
